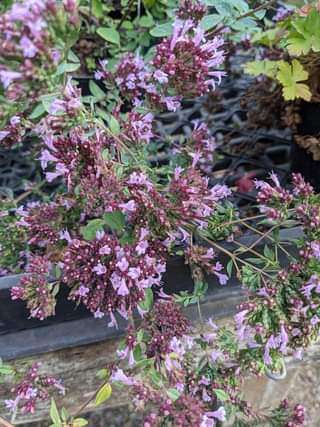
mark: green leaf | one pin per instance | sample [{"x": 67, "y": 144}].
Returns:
[
  {"x": 79, "y": 422},
  {"x": 240, "y": 5},
  {"x": 245, "y": 24},
  {"x": 156, "y": 377},
  {"x": 305, "y": 35},
  {"x": 109, "y": 34},
  {"x": 200, "y": 289},
  {"x": 127, "y": 238},
  {"x": 89, "y": 231},
  {"x": 115, "y": 220},
  {"x": 298, "y": 46},
  {"x": 265, "y": 67},
  {"x": 97, "y": 8},
  {"x": 102, "y": 113},
  {"x": 127, "y": 25},
  {"x": 230, "y": 268},
  {"x": 260, "y": 14},
  {"x": 289, "y": 75},
  {"x": 54, "y": 414},
  {"x": 66, "y": 67},
  {"x": 47, "y": 100},
  {"x": 114, "y": 125},
  {"x": 210, "y": 21},
  {"x": 103, "y": 394},
  {"x": 72, "y": 57},
  {"x": 221, "y": 395},
  {"x": 163, "y": 30},
  {"x": 173, "y": 394},
  {"x": 37, "y": 112},
  {"x": 224, "y": 8},
  {"x": 148, "y": 4},
  {"x": 64, "y": 414},
  {"x": 147, "y": 303},
  {"x": 6, "y": 370},
  {"x": 146, "y": 21},
  {"x": 96, "y": 91},
  {"x": 102, "y": 374}
]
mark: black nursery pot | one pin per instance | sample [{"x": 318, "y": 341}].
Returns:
[
  {"x": 302, "y": 161},
  {"x": 73, "y": 326}
]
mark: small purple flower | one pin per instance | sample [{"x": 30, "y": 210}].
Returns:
[
  {"x": 123, "y": 264},
  {"x": 57, "y": 106},
  {"x": 128, "y": 207},
  {"x": 120, "y": 376},
  {"x": 15, "y": 120},
  {"x": 134, "y": 272},
  {"x": 4, "y": 134},
  {"x": 46, "y": 157},
  {"x": 161, "y": 77},
  {"x": 284, "y": 339},
  {"x": 141, "y": 247},
  {"x": 105, "y": 250},
  {"x": 98, "y": 314},
  {"x": 7, "y": 77},
  {"x": 65, "y": 235},
  {"x": 215, "y": 355},
  {"x": 100, "y": 234},
  {"x": 12, "y": 404},
  {"x": 314, "y": 320},
  {"x": 172, "y": 103},
  {"x": 83, "y": 291},
  {"x": 219, "y": 414},
  {"x": 123, "y": 289},
  {"x": 60, "y": 170},
  {"x": 100, "y": 269},
  {"x": 315, "y": 246},
  {"x": 29, "y": 49}
]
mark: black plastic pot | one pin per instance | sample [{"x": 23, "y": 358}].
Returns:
[
  {"x": 302, "y": 161},
  {"x": 71, "y": 327}
]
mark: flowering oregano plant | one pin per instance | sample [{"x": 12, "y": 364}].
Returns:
[{"x": 109, "y": 231}]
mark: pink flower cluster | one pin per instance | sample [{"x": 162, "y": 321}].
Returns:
[
  {"x": 137, "y": 128},
  {"x": 192, "y": 196},
  {"x": 189, "y": 62},
  {"x": 291, "y": 301},
  {"x": 32, "y": 388},
  {"x": 191, "y": 9},
  {"x": 109, "y": 277},
  {"x": 36, "y": 290},
  {"x": 199, "y": 147},
  {"x": 29, "y": 50},
  {"x": 185, "y": 64},
  {"x": 198, "y": 256}
]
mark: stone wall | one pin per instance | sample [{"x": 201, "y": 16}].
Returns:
[{"x": 78, "y": 366}]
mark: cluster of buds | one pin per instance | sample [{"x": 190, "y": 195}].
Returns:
[
  {"x": 33, "y": 387},
  {"x": 163, "y": 323},
  {"x": 191, "y": 9}
]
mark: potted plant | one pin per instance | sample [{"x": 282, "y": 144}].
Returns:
[{"x": 105, "y": 237}]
